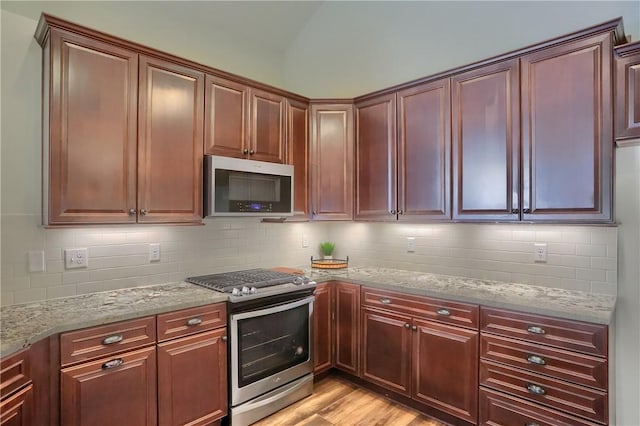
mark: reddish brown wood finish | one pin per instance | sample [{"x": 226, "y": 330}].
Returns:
[
  {"x": 386, "y": 350},
  {"x": 376, "y": 165},
  {"x": 298, "y": 155},
  {"x": 15, "y": 371},
  {"x": 497, "y": 409},
  {"x": 560, "y": 364},
  {"x": 424, "y": 152},
  {"x": 88, "y": 343},
  {"x": 45, "y": 368},
  {"x": 192, "y": 379},
  {"x": 267, "y": 130},
  {"x": 94, "y": 395},
  {"x": 226, "y": 120},
  {"x": 445, "y": 368},
  {"x": 332, "y": 151},
  {"x": 567, "y": 148},
  {"x": 17, "y": 406},
  {"x": 90, "y": 97},
  {"x": 170, "y": 135},
  {"x": 323, "y": 328},
  {"x": 460, "y": 314},
  {"x": 572, "y": 335},
  {"x": 485, "y": 110},
  {"x": 177, "y": 323},
  {"x": 627, "y": 93},
  {"x": 573, "y": 399},
  {"x": 347, "y": 327},
  {"x": 18, "y": 409}
]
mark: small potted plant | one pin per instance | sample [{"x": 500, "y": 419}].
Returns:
[{"x": 327, "y": 248}]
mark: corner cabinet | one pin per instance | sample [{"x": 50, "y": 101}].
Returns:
[
  {"x": 627, "y": 94},
  {"x": 122, "y": 133},
  {"x": 298, "y": 155}
]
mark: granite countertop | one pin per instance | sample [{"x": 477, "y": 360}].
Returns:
[
  {"x": 22, "y": 325},
  {"x": 575, "y": 305}
]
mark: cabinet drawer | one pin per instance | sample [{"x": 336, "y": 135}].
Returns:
[
  {"x": 107, "y": 339},
  {"x": 572, "y": 399},
  {"x": 574, "y": 335},
  {"x": 571, "y": 366},
  {"x": 499, "y": 409},
  {"x": 445, "y": 311},
  {"x": 192, "y": 320},
  {"x": 16, "y": 372}
]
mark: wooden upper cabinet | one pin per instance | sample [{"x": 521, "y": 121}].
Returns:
[
  {"x": 331, "y": 173},
  {"x": 567, "y": 144},
  {"x": 298, "y": 155},
  {"x": 267, "y": 130},
  {"x": 89, "y": 162},
  {"x": 424, "y": 152},
  {"x": 226, "y": 118},
  {"x": 485, "y": 111},
  {"x": 170, "y": 135},
  {"x": 376, "y": 158},
  {"x": 627, "y": 90}
]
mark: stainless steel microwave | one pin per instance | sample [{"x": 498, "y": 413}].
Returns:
[{"x": 237, "y": 187}]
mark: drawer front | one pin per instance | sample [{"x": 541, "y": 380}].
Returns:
[
  {"x": 192, "y": 320},
  {"x": 566, "y": 397},
  {"x": 500, "y": 409},
  {"x": 108, "y": 339},
  {"x": 444, "y": 311},
  {"x": 573, "y": 335},
  {"x": 571, "y": 366},
  {"x": 16, "y": 372}
]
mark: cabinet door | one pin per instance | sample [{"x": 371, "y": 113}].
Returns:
[
  {"x": 17, "y": 409},
  {"x": 89, "y": 158},
  {"x": 192, "y": 379},
  {"x": 332, "y": 161},
  {"x": 226, "y": 120},
  {"x": 386, "y": 350},
  {"x": 627, "y": 92},
  {"x": 323, "y": 328},
  {"x": 424, "y": 152},
  {"x": 170, "y": 135},
  {"x": 298, "y": 155},
  {"x": 376, "y": 158},
  {"x": 347, "y": 323},
  {"x": 267, "y": 130},
  {"x": 445, "y": 368},
  {"x": 108, "y": 391},
  {"x": 485, "y": 110},
  {"x": 567, "y": 147}
]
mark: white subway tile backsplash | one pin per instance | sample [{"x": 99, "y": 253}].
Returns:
[
  {"x": 61, "y": 291},
  {"x": 603, "y": 288},
  {"x": 591, "y": 250},
  {"x": 591, "y": 274},
  {"x": 603, "y": 263},
  {"x": 29, "y": 295},
  {"x": 42, "y": 280}
]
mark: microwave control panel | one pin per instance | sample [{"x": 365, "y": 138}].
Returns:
[{"x": 251, "y": 206}]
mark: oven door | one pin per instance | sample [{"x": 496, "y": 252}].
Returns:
[{"x": 270, "y": 347}]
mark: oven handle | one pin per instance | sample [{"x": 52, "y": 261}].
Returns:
[{"x": 272, "y": 310}]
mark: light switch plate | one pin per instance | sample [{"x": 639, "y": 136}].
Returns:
[
  {"x": 540, "y": 252},
  {"x": 36, "y": 261},
  {"x": 305, "y": 241},
  {"x": 76, "y": 258},
  {"x": 154, "y": 252},
  {"x": 411, "y": 244}
]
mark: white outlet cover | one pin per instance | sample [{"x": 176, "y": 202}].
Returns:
[
  {"x": 154, "y": 252},
  {"x": 411, "y": 244},
  {"x": 36, "y": 261},
  {"x": 540, "y": 252},
  {"x": 76, "y": 258}
]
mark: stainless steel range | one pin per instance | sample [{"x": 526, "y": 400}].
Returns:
[{"x": 270, "y": 325}]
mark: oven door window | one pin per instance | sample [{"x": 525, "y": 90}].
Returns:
[{"x": 272, "y": 343}]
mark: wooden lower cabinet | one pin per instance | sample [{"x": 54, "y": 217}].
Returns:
[
  {"x": 192, "y": 379},
  {"x": 17, "y": 409},
  {"x": 323, "y": 327},
  {"x": 120, "y": 389},
  {"x": 346, "y": 298}
]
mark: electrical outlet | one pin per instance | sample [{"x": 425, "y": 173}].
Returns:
[
  {"x": 411, "y": 244},
  {"x": 305, "y": 241},
  {"x": 540, "y": 252},
  {"x": 154, "y": 252},
  {"x": 36, "y": 261},
  {"x": 76, "y": 258}
]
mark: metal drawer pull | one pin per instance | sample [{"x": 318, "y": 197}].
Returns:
[
  {"x": 535, "y": 389},
  {"x": 113, "y": 363},
  {"x": 535, "y": 329},
  {"x": 535, "y": 359},
  {"x": 443, "y": 312},
  {"x": 110, "y": 340},
  {"x": 385, "y": 301},
  {"x": 531, "y": 424},
  {"x": 194, "y": 321}
]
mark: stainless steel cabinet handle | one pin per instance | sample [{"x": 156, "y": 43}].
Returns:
[
  {"x": 245, "y": 151},
  {"x": 385, "y": 301},
  {"x": 400, "y": 211},
  {"x": 407, "y": 325},
  {"x": 392, "y": 211},
  {"x": 535, "y": 359},
  {"x": 314, "y": 213},
  {"x": 132, "y": 212},
  {"x": 194, "y": 321},
  {"x": 110, "y": 340},
  {"x": 224, "y": 338},
  {"x": 414, "y": 327},
  {"x": 113, "y": 363},
  {"x": 535, "y": 389},
  {"x": 526, "y": 211},
  {"x": 515, "y": 211},
  {"x": 143, "y": 212},
  {"x": 536, "y": 330},
  {"x": 444, "y": 312},
  {"x": 252, "y": 152}
]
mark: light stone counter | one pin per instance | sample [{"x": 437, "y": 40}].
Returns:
[
  {"x": 575, "y": 305},
  {"x": 22, "y": 325}
]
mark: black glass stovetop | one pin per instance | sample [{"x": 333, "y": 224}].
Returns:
[{"x": 225, "y": 282}]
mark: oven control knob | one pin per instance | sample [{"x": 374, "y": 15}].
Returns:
[
  {"x": 253, "y": 290},
  {"x": 245, "y": 290},
  {"x": 235, "y": 292}
]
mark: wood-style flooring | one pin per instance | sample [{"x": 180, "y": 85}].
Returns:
[{"x": 336, "y": 401}]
